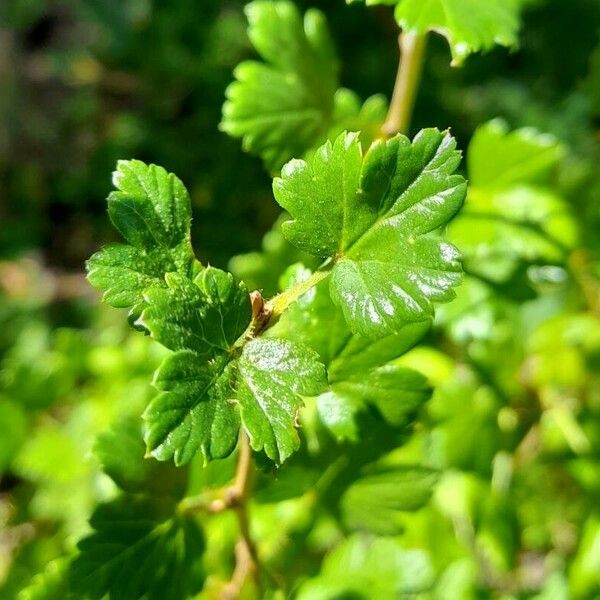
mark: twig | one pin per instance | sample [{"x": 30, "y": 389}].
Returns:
[
  {"x": 277, "y": 305},
  {"x": 236, "y": 497},
  {"x": 244, "y": 567},
  {"x": 410, "y": 66}
]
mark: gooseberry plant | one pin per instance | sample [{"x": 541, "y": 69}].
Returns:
[{"x": 299, "y": 395}]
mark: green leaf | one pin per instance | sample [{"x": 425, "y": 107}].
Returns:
[
  {"x": 13, "y": 431},
  {"x": 138, "y": 549},
  {"x": 364, "y": 567},
  {"x": 201, "y": 321},
  {"x": 198, "y": 409},
  {"x": 151, "y": 208},
  {"x": 468, "y": 25},
  {"x": 370, "y": 216},
  {"x": 508, "y": 217},
  {"x": 121, "y": 451},
  {"x": 274, "y": 376},
  {"x": 499, "y": 158},
  {"x": 361, "y": 371},
  {"x": 349, "y": 114},
  {"x": 262, "y": 270},
  {"x": 206, "y": 316},
  {"x": 282, "y": 106},
  {"x": 51, "y": 584},
  {"x": 376, "y": 502},
  {"x": 195, "y": 410}
]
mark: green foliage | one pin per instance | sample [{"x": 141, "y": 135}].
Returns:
[
  {"x": 511, "y": 214},
  {"x": 468, "y": 25},
  {"x": 347, "y": 414},
  {"x": 51, "y": 584},
  {"x": 384, "y": 205},
  {"x": 152, "y": 211},
  {"x": 361, "y": 373},
  {"x": 363, "y": 567},
  {"x": 283, "y": 106}
]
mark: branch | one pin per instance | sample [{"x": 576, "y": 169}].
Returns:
[
  {"x": 236, "y": 497},
  {"x": 412, "y": 52}
]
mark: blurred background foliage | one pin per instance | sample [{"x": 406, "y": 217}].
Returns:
[{"x": 515, "y": 419}]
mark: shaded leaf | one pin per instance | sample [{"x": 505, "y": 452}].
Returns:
[
  {"x": 138, "y": 549},
  {"x": 282, "y": 106},
  {"x": 51, "y": 584},
  {"x": 364, "y": 567},
  {"x": 121, "y": 453},
  {"x": 376, "y": 502}
]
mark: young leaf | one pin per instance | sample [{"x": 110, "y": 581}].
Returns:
[
  {"x": 370, "y": 217},
  {"x": 138, "y": 550},
  {"x": 274, "y": 375},
  {"x": 151, "y": 208},
  {"x": 206, "y": 316},
  {"x": 468, "y": 25},
  {"x": 282, "y": 106}
]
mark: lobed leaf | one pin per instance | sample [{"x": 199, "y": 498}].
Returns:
[
  {"x": 138, "y": 549},
  {"x": 370, "y": 217},
  {"x": 376, "y": 501},
  {"x": 274, "y": 376},
  {"x": 361, "y": 372},
  {"x": 510, "y": 217},
  {"x": 151, "y": 209},
  {"x": 282, "y": 106},
  {"x": 195, "y": 411},
  {"x": 468, "y": 25},
  {"x": 198, "y": 409}
]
